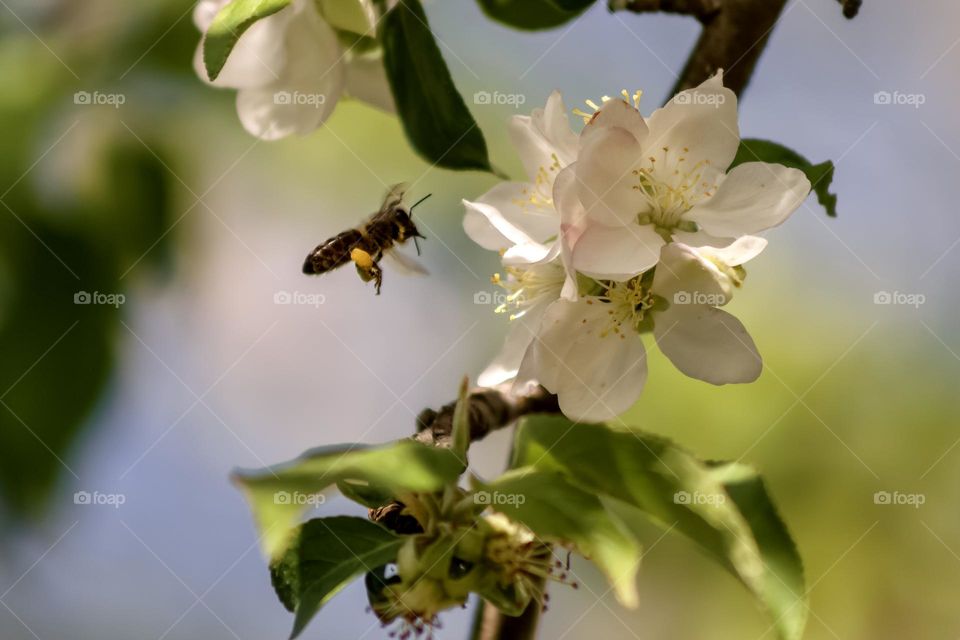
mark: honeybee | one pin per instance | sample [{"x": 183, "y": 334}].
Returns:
[{"x": 367, "y": 245}]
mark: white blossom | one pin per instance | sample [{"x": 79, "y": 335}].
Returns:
[
  {"x": 519, "y": 218},
  {"x": 590, "y": 353},
  {"x": 644, "y": 182},
  {"x": 290, "y": 70}
]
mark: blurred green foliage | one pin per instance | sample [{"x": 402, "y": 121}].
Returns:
[{"x": 86, "y": 206}]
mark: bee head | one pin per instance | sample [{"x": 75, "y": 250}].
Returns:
[{"x": 405, "y": 219}]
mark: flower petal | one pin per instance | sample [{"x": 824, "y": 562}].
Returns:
[
  {"x": 605, "y": 178},
  {"x": 701, "y": 123},
  {"x": 259, "y": 56},
  {"x": 699, "y": 239},
  {"x": 754, "y": 196},
  {"x": 740, "y": 251},
  {"x": 309, "y": 85},
  {"x": 366, "y": 80},
  {"x": 597, "y": 374},
  {"x": 544, "y": 141},
  {"x": 708, "y": 344},
  {"x": 507, "y": 215},
  {"x": 572, "y": 225},
  {"x": 616, "y": 113},
  {"x": 616, "y": 253},
  {"x": 686, "y": 277},
  {"x": 521, "y": 332}
]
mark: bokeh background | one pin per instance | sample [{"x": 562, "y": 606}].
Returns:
[{"x": 165, "y": 200}]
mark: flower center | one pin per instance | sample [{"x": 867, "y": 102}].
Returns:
[
  {"x": 670, "y": 186},
  {"x": 526, "y": 286},
  {"x": 630, "y": 305}
]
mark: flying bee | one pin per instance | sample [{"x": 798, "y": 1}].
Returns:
[{"x": 367, "y": 245}]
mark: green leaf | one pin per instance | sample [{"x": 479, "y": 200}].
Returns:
[
  {"x": 819, "y": 175},
  {"x": 783, "y": 578},
  {"x": 325, "y": 555},
  {"x": 532, "y": 15},
  {"x": 346, "y": 15},
  {"x": 573, "y": 5},
  {"x": 364, "y": 493},
  {"x": 57, "y": 355},
  {"x": 722, "y": 507},
  {"x": 280, "y": 494},
  {"x": 434, "y": 116},
  {"x": 558, "y": 511},
  {"x": 227, "y": 27}
]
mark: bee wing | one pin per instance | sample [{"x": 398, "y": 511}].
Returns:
[
  {"x": 394, "y": 197},
  {"x": 404, "y": 263}
]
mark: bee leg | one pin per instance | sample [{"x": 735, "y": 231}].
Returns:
[
  {"x": 376, "y": 271},
  {"x": 367, "y": 266},
  {"x": 377, "y": 274}
]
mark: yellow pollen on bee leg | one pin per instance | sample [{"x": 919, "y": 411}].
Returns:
[{"x": 362, "y": 259}]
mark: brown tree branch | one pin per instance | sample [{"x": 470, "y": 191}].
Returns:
[
  {"x": 732, "y": 40},
  {"x": 734, "y": 35},
  {"x": 850, "y": 8},
  {"x": 488, "y": 411}
]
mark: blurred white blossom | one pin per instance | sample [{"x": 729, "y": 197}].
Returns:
[{"x": 290, "y": 69}]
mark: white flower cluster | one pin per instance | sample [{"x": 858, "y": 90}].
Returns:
[
  {"x": 290, "y": 68},
  {"x": 635, "y": 226}
]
